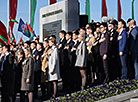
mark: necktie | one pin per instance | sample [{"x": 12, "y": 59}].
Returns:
[{"x": 3, "y": 63}]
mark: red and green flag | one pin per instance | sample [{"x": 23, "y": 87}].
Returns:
[
  {"x": 119, "y": 9},
  {"x": 3, "y": 34},
  {"x": 30, "y": 31},
  {"x": 52, "y": 1},
  {"x": 13, "y": 11},
  {"x": 33, "y": 9},
  {"x": 13, "y": 20},
  {"x": 104, "y": 8},
  {"x": 132, "y": 9},
  {"x": 88, "y": 10},
  {"x": 21, "y": 40}
]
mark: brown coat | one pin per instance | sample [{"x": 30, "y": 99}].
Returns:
[
  {"x": 44, "y": 60},
  {"x": 28, "y": 73},
  {"x": 44, "y": 74}
]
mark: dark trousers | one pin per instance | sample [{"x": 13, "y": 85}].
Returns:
[
  {"x": 124, "y": 69},
  {"x": 105, "y": 66},
  {"x": 46, "y": 89},
  {"x": 37, "y": 78},
  {"x": 136, "y": 68}
]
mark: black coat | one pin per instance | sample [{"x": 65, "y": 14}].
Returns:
[
  {"x": 61, "y": 55},
  {"x": 67, "y": 52},
  {"x": 113, "y": 43},
  {"x": 8, "y": 74}
]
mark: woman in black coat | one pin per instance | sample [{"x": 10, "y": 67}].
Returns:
[{"x": 18, "y": 74}]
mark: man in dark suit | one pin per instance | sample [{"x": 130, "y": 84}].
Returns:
[
  {"x": 61, "y": 46},
  {"x": 67, "y": 60},
  {"x": 114, "y": 69},
  {"x": 104, "y": 45},
  {"x": 123, "y": 48},
  {"x": 7, "y": 75},
  {"x": 36, "y": 69},
  {"x": 133, "y": 45}
]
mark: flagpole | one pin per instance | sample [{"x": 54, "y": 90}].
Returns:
[
  {"x": 85, "y": 7},
  {"x": 8, "y": 21},
  {"x": 29, "y": 11}
]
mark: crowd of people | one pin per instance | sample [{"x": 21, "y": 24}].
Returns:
[{"x": 91, "y": 55}]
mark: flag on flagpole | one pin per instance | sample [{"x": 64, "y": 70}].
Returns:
[
  {"x": 23, "y": 28},
  {"x": 52, "y": 1},
  {"x": 132, "y": 9},
  {"x": 13, "y": 11},
  {"x": 3, "y": 34},
  {"x": 119, "y": 10},
  {"x": 88, "y": 9},
  {"x": 13, "y": 20},
  {"x": 31, "y": 32},
  {"x": 21, "y": 40},
  {"x": 104, "y": 8},
  {"x": 32, "y": 12}
]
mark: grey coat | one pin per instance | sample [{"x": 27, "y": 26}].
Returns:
[
  {"x": 28, "y": 73},
  {"x": 53, "y": 65},
  {"x": 81, "y": 53}
]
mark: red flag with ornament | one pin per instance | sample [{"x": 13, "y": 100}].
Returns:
[
  {"x": 104, "y": 8},
  {"x": 53, "y": 1},
  {"x": 13, "y": 11},
  {"x": 119, "y": 9}
]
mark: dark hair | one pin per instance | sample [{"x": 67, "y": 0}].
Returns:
[
  {"x": 129, "y": 20},
  {"x": 34, "y": 43},
  {"x": 28, "y": 42},
  {"x": 103, "y": 24},
  {"x": 134, "y": 22},
  {"x": 76, "y": 32},
  {"x": 41, "y": 44},
  {"x": 69, "y": 33},
  {"x": 53, "y": 36},
  {"x": 63, "y": 32},
  {"x": 90, "y": 24},
  {"x": 123, "y": 22}
]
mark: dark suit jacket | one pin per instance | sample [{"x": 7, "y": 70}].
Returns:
[
  {"x": 133, "y": 42},
  {"x": 113, "y": 45},
  {"x": 104, "y": 45},
  {"x": 61, "y": 55},
  {"x": 123, "y": 42},
  {"x": 67, "y": 52},
  {"x": 73, "y": 54},
  {"x": 35, "y": 53},
  {"x": 8, "y": 74}
]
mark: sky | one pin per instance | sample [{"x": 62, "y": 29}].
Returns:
[{"x": 95, "y": 7}]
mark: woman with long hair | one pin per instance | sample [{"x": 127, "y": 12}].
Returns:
[
  {"x": 27, "y": 82},
  {"x": 18, "y": 73}
]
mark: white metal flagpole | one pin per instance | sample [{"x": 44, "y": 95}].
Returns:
[{"x": 29, "y": 11}]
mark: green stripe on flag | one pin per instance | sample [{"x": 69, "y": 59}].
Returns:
[
  {"x": 33, "y": 8},
  {"x": 4, "y": 39},
  {"x": 13, "y": 20},
  {"x": 88, "y": 9},
  {"x": 132, "y": 9}
]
